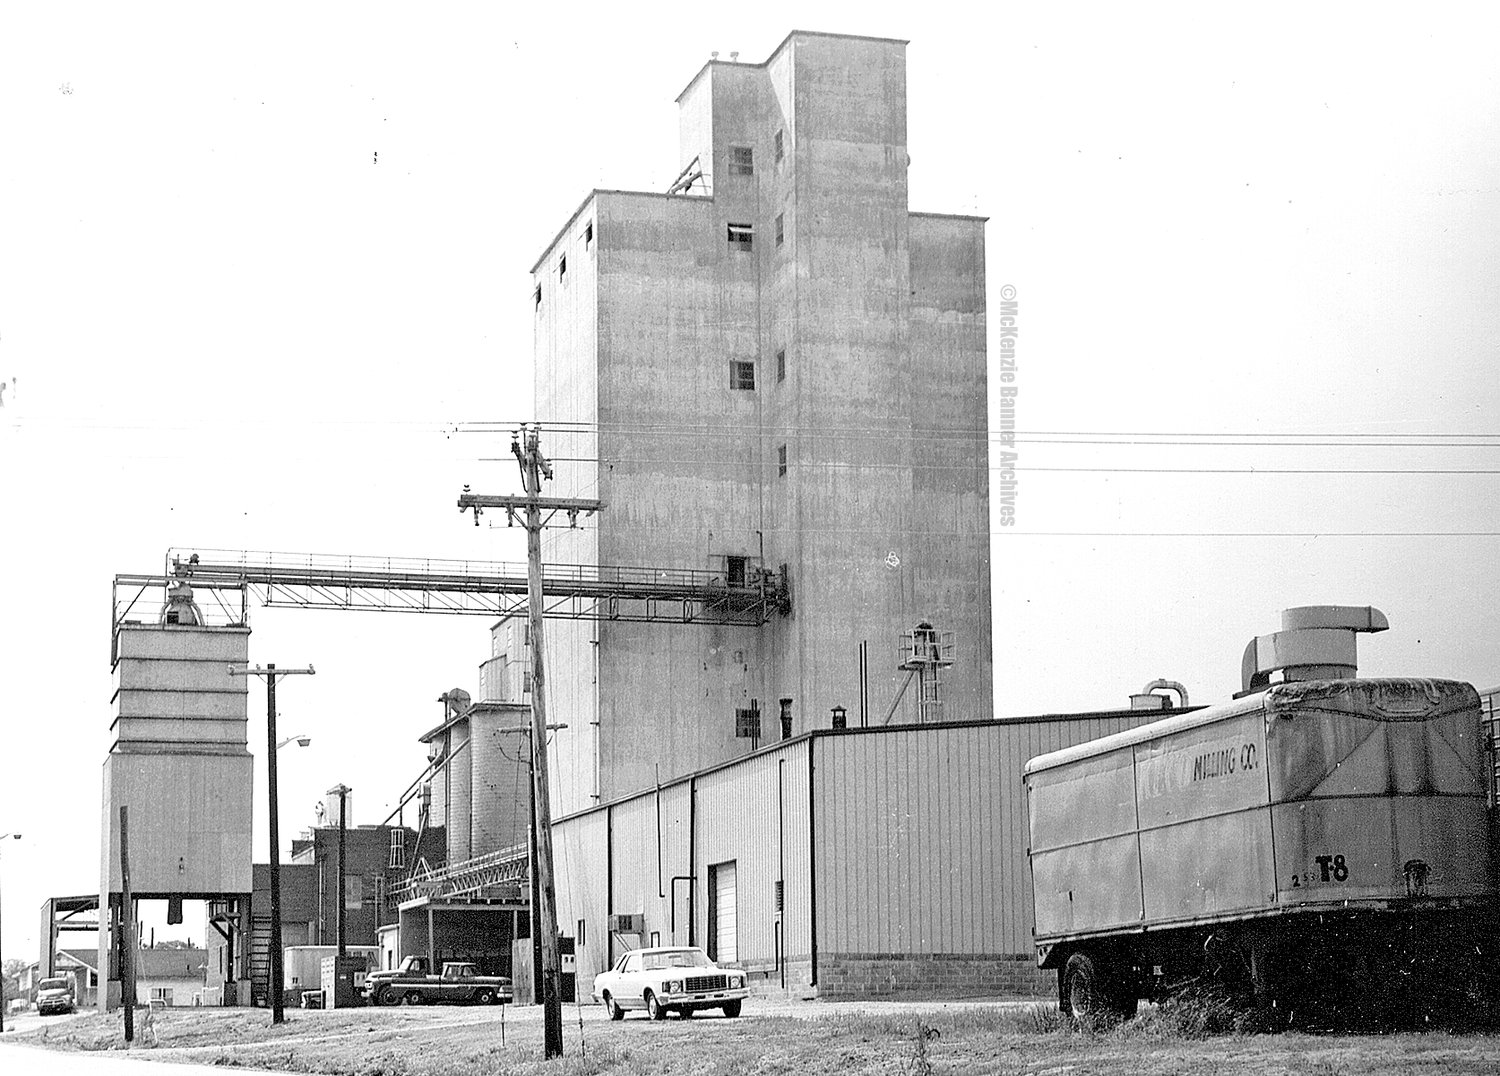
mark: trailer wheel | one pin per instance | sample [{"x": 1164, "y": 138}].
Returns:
[{"x": 1089, "y": 995}]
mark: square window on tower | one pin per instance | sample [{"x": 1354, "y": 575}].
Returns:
[
  {"x": 741, "y": 374},
  {"x": 741, "y": 161},
  {"x": 741, "y": 237},
  {"x": 780, "y": 143}
]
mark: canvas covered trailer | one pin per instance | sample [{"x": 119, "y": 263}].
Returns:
[{"x": 1323, "y": 832}]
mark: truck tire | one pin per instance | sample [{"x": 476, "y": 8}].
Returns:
[
  {"x": 1091, "y": 994},
  {"x": 484, "y": 997},
  {"x": 386, "y": 996},
  {"x": 654, "y": 1008}
]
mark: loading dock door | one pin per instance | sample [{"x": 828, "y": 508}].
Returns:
[{"x": 721, "y": 912}]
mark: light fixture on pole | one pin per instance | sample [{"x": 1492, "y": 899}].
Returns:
[{"x": 302, "y": 741}]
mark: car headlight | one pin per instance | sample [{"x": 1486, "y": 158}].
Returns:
[
  {"x": 672, "y": 986},
  {"x": 736, "y": 981}
]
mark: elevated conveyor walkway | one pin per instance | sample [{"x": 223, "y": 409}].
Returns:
[{"x": 423, "y": 585}]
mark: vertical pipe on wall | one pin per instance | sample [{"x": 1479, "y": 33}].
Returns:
[
  {"x": 660, "y": 889},
  {"x": 812, "y": 867},
  {"x": 780, "y": 869},
  {"x": 692, "y": 860},
  {"x": 609, "y": 885}
]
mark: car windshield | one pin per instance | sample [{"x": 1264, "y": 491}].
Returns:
[
  {"x": 53, "y": 984},
  {"x": 676, "y": 958}
]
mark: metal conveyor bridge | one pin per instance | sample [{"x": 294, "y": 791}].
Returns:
[{"x": 422, "y": 585}]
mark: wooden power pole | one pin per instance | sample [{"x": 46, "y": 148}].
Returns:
[
  {"x": 274, "y": 973},
  {"x": 535, "y": 467}
]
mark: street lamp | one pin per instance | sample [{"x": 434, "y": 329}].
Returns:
[
  {"x": 302, "y": 741},
  {"x": 6, "y": 837}
]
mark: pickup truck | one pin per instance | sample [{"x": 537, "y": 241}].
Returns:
[{"x": 414, "y": 984}]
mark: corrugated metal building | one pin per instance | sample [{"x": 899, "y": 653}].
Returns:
[{"x": 855, "y": 862}]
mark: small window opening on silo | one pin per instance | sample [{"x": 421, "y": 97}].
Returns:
[
  {"x": 741, "y": 237},
  {"x": 741, "y": 374},
  {"x": 536, "y": 295},
  {"x": 741, "y": 161},
  {"x": 780, "y": 228},
  {"x": 588, "y": 234},
  {"x": 562, "y": 267},
  {"x": 781, "y": 461},
  {"x": 580, "y": 937},
  {"x": 747, "y": 722},
  {"x": 734, "y": 571},
  {"x": 779, "y": 141},
  {"x": 786, "y": 719},
  {"x": 781, "y": 364}
]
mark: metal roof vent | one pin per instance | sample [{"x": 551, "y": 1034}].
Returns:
[
  {"x": 1316, "y": 642},
  {"x": 1148, "y": 699}
]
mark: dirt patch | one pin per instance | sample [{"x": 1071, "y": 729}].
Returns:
[{"x": 1006, "y": 1041}]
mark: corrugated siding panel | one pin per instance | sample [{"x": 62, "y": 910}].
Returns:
[
  {"x": 921, "y": 835},
  {"x": 737, "y": 820},
  {"x": 579, "y": 852}
]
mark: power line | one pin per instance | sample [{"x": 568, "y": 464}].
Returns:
[
  {"x": 1021, "y": 468},
  {"x": 1246, "y": 534},
  {"x": 590, "y": 427}
]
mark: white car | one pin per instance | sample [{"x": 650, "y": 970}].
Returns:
[{"x": 678, "y": 979}]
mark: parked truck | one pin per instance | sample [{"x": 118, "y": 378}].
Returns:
[
  {"x": 414, "y": 984},
  {"x": 1320, "y": 847}
]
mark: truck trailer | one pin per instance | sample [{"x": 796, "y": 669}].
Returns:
[{"x": 1320, "y": 847}]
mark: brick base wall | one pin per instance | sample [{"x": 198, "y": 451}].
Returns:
[
  {"x": 955, "y": 975},
  {"x": 767, "y": 978}
]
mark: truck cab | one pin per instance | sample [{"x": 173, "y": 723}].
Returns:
[{"x": 414, "y": 984}]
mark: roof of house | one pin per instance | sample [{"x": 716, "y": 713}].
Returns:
[{"x": 152, "y": 963}]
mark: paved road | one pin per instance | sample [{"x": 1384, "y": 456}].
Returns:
[{"x": 16, "y": 1060}]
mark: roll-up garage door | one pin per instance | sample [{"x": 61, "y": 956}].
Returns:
[{"x": 723, "y": 912}]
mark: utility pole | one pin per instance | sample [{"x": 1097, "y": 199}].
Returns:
[
  {"x": 534, "y": 467},
  {"x": 342, "y": 791},
  {"x": 273, "y": 971},
  {"x": 127, "y": 931}
]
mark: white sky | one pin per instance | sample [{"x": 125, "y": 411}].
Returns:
[{"x": 257, "y": 261}]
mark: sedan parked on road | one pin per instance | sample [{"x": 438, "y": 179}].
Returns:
[{"x": 680, "y": 979}]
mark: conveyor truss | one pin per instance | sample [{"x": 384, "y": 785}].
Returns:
[{"x": 223, "y": 583}]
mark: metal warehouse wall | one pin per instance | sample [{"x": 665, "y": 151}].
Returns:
[
  {"x": 920, "y": 834},
  {"x": 753, "y": 812}
]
